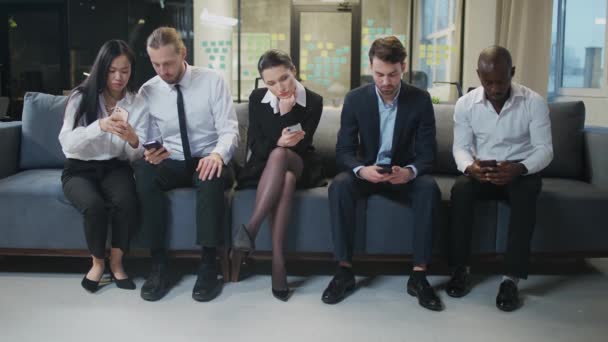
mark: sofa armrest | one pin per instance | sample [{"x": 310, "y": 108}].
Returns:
[
  {"x": 596, "y": 155},
  {"x": 10, "y": 142}
]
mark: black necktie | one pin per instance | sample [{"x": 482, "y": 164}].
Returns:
[{"x": 181, "y": 115}]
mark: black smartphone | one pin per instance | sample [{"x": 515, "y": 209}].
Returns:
[
  {"x": 488, "y": 163},
  {"x": 385, "y": 169},
  {"x": 154, "y": 144}
]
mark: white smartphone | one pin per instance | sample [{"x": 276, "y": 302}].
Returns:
[
  {"x": 295, "y": 128},
  {"x": 121, "y": 113}
]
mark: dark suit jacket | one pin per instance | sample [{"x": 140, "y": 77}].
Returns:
[
  {"x": 413, "y": 138},
  {"x": 265, "y": 129}
]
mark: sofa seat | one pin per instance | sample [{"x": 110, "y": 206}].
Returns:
[{"x": 36, "y": 215}]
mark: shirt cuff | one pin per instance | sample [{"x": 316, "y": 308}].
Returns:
[
  {"x": 414, "y": 169},
  {"x": 356, "y": 171}
]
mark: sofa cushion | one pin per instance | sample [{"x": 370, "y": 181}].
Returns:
[
  {"x": 567, "y": 123},
  {"x": 36, "y": 215},
  {"x": 444, "y": 123},
  {"x": 324, "y": 140},
  {"x": 42, "y": 121},
  {"x": 309, "y": 224}
]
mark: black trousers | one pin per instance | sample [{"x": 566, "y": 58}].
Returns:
[
  {"x": 422, "y": 194},
  {"x": 521, "y": 194},
  {"x": 104, "y": 192},
  {"x": 153, "y": 180}
]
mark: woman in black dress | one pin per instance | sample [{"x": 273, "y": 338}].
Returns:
[{"x": 282, "y": 121}]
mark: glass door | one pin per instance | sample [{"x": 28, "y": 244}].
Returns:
[{"x": 325, "y": 48}]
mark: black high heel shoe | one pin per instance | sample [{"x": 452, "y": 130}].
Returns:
[
  {"x": 125, "y": 284},
  {"x": 90, "y": 285},
  {"x": 243, "y": 241},
  {"x": 282, "y": 295}
]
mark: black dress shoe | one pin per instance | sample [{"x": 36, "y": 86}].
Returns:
[
  {"x": 282, "y": 295},
  {"x": 243, "y": 241},
  {"x": 339, "y": 287},
  {"x": 89, "y": 285},
  {"x": 425, "y": 293},
  {"x": 207, "y": 285},
  {"x": 157, "y": 284},
  {"x": 460, "y": 283},
  {"x": 508, "y": 296}
]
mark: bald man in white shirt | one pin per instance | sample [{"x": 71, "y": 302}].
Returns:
[
  {"x": 502, "y": 140},
  {"x": 192, "y": 116}
]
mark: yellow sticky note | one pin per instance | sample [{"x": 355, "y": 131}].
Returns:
[
  {"x": 303, "y": 77},
  {"x": 304, "y": 53},
  {"x": 307, "y": 37},
  {"x": 303, "y": 60},
  {"x": 281, "y": 36},
  {"x": 330, "y": 46},
  {"x": 273, "y": 36},
  {"x": 324, "y": 53},
  {"x": 320, "y": 45},
  {"x": 365, "y": 30},
  {"x": 303, "y": 68},
  {"x": 365, "y": 41}
]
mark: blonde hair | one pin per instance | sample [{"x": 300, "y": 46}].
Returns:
[{"x": 163, "y": 36}]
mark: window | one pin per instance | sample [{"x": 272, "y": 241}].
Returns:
[
  {"x": 437, "y": 47},
  {"x": 578, "y": 53}
]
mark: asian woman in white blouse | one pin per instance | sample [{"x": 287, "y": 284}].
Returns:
[{"x": 98, "y": 140}]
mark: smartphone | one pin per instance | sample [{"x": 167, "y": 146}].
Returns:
[
  {"x": 295, "y": 128},
  {"x": 385, "y": 169},
  {"x": 154, "y": 144},
  {"x": 488, "y": 163},
  {"x": 121, "y": 113}
]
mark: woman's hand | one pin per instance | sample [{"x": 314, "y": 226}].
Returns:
[{"x": 290, "y": 139}]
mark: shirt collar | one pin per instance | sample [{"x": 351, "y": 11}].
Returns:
[
  {"x": 271, "y": 99},
  {"x": 516, "y": 91},
  {"x": 393, "y": 103},
  {"x": 186, "y": 79}
]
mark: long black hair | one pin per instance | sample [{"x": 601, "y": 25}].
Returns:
[{"x": 93, "y": 85}]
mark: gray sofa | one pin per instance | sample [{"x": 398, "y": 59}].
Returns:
[
  {"x": 574, "y": 195},
  {"x": 35, "y": 217}
]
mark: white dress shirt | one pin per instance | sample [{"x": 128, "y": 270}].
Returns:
[
  {"x": 273, "y": 100},
  {"x": 522, "y": 131},
  {"x": 92, "y": 143},
  {"x": 210, "y": 116}
]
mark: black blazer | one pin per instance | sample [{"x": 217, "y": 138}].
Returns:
[
  {"x": 413, "y": 138},
  {"x": 265, "y": 129}
]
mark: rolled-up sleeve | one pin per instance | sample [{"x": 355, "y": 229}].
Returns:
[
  {"x": 463, "y": 148},
  {"x": 226, "y": 122},
  {"x": 540, "y": 136}
]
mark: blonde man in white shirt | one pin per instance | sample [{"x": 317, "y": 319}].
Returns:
[
  {"x": 502, "y": 140},
  {"x": 98, "y": 140},
  {"x": 192, "y": 116}
]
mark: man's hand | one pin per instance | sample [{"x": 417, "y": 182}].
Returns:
[
  {"x": 290, "y": 139},
  {"x": 482, "y": 174},
  {"x": 371, "y": 174},
  {"x": 400, "y": 175},
  {"x": 210, "y": 166},
  {"x": 155, "y": 156},
  {"x": 506, "y": 172}
]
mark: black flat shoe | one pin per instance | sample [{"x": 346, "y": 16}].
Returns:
[
  {"x": 243, "y": 241},
  {"x": 282, "y": 295},
  {"x": 508, "y": 296},
  {"x": 460, "y": 283},
  {"x": 427, "y": 298},
  {"x": 90, "y": 285}
]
